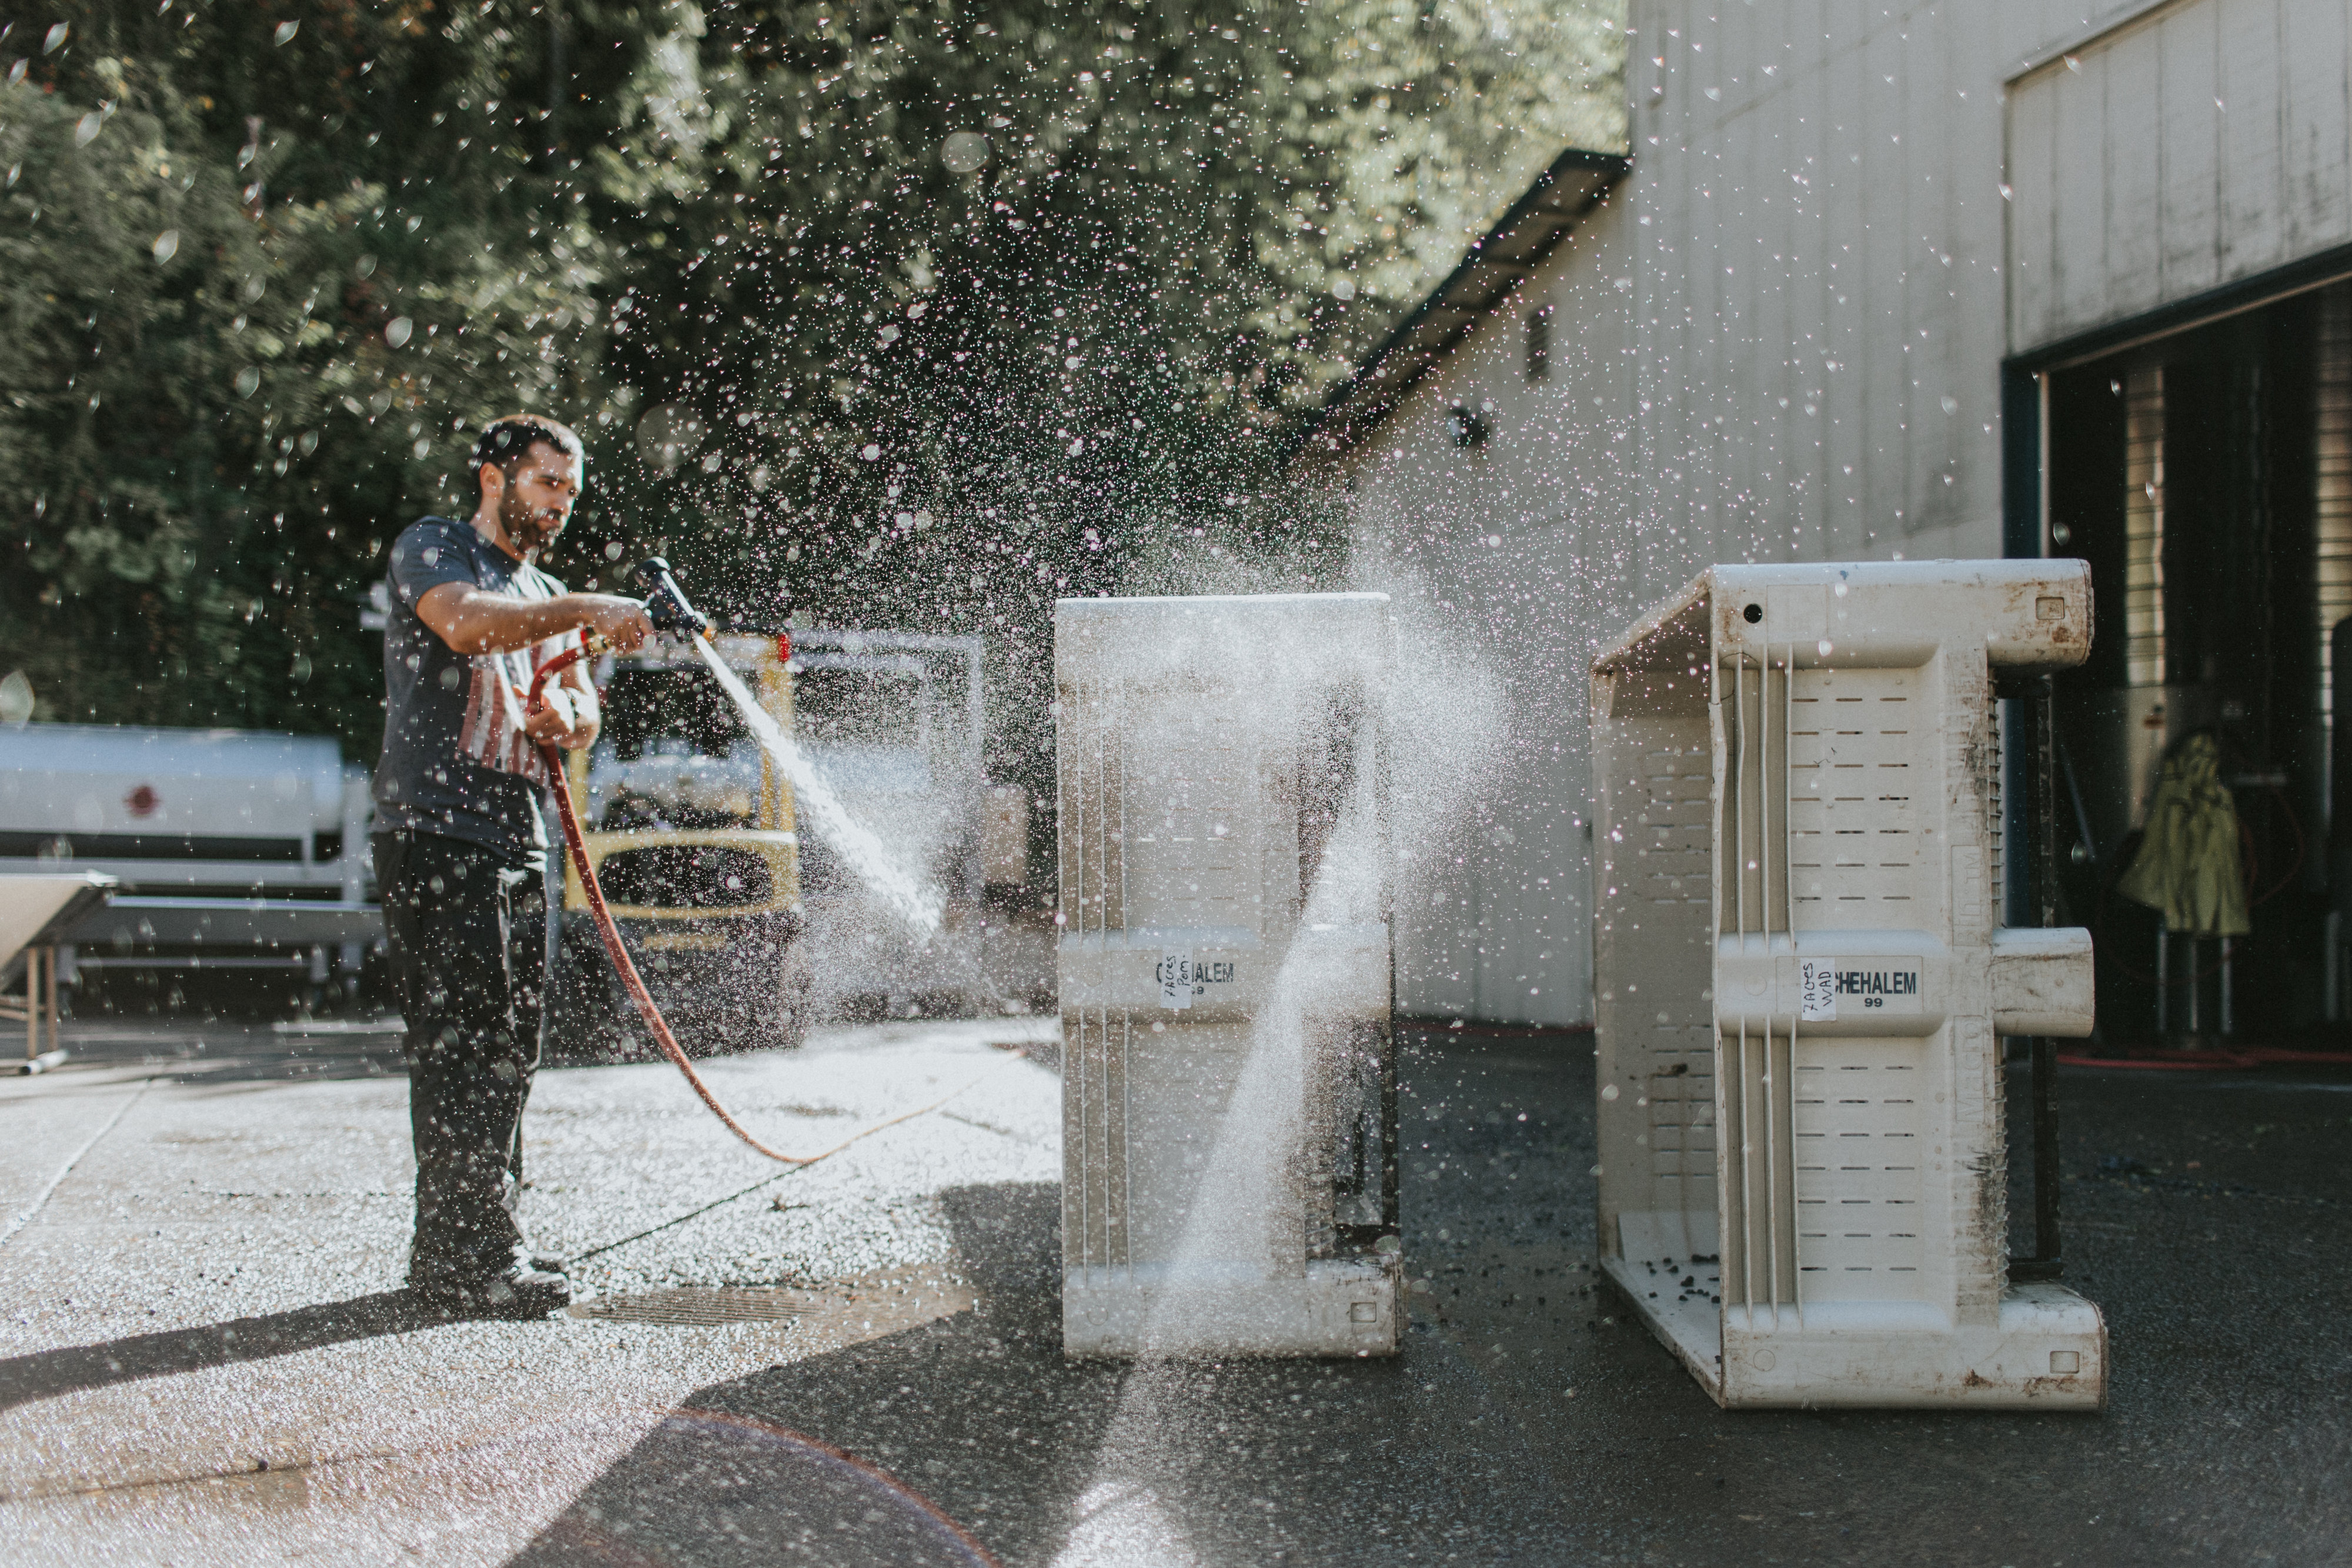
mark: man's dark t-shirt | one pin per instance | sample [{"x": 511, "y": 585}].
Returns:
[{"x": 456, "y": 760}]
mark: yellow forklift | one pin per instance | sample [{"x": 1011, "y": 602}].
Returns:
[{"x": 690, "y": 827}]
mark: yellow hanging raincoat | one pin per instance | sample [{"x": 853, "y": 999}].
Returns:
[{"x": 2188, "y": 866}]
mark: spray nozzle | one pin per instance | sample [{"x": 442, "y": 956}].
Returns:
[{"x": 665, "y": 603}]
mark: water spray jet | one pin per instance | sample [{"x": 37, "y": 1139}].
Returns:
[{"x": 671, "y": 612}]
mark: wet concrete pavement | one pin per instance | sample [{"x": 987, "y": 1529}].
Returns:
[
  {"x": 209, "y": 1290},
  {"x": 203, "y": 1356}
]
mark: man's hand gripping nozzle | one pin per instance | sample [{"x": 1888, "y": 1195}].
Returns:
[{"x": 666, "y": 607}]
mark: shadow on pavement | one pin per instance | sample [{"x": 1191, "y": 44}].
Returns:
[
  {"x": 255, "y": 1054},
  {"x": 706, "y": 1488},
  {"x": 1531, "y": 1419},
  {"x": 1045, "y": 1460},
  {"x": 50, "y": 1373}
]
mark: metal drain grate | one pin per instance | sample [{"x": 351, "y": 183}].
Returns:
[{"x": 706, "y": 1307}]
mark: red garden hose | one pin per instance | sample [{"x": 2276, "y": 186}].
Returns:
[{"x": 611, "y": 934}]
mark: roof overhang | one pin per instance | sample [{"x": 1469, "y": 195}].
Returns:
[{"x": 1534, "y": 226}]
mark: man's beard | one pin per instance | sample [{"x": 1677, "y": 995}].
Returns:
[{"x": 527, "y": 528}]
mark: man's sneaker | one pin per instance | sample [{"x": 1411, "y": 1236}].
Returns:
[{"x": 521, "y": 1292}]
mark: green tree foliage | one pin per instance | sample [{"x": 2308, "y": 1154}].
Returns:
[
  {"x": 912, "y": 316},
  {"x": 978, "y": 306},
  {"x": 242, "y": 335}
]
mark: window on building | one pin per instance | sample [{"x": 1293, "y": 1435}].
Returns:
[{"x": 1539, "y": 343}]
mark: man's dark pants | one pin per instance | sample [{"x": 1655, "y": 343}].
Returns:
[{"x": 468, "y": 946}]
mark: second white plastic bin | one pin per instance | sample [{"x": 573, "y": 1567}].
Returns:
[
  {"x": 1801, "y": 983},
  {"x": 1228, "y": 1089}
]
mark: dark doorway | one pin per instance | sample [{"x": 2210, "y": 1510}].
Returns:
[{"x": 2202, "y": 478}]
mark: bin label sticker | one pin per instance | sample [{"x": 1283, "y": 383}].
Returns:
[
  {"x": 1895, "y": 989},
  {"x": 1817, "y": 989},
  {"x": 1175, "y": 977},
  {"x": 1182, "y": 976}
]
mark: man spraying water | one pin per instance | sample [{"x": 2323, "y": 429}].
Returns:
[{"x": 461, "y": 846}]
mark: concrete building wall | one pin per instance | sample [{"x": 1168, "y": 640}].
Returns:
[
  {"x": 1783, "y": 336},
  {"x": 1515, "y": 551},
  {"x": 2191, "y": 146},
  {"x": 1819, "y": 290}
]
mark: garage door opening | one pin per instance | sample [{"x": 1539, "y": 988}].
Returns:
[{"x": 2207, "y": 478}]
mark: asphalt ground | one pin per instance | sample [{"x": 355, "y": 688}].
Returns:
[{"x": 203, "y": 1359}]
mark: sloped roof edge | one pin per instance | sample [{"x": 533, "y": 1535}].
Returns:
[{"x": 1522, "y": 238}]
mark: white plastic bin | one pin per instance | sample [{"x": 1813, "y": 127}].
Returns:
[
  {"x": 1801, "y": 982},
  {"x": 1228, "y": 1085}
]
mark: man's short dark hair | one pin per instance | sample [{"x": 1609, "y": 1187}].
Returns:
[{"x": 508, "y": 440}]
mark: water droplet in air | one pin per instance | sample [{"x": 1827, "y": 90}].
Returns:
[
  {"x": 286, "y": 31},
  {"x": 248, "y": 382},
  {"x": 964, "y": 152},
  {"x": 667, "y": 433},
  {"x": 396, "y": 330},
  {"x": 167, "y": 245},
  {"x": 16, "y": 698},
  {"x": 85, "y": 128}
]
